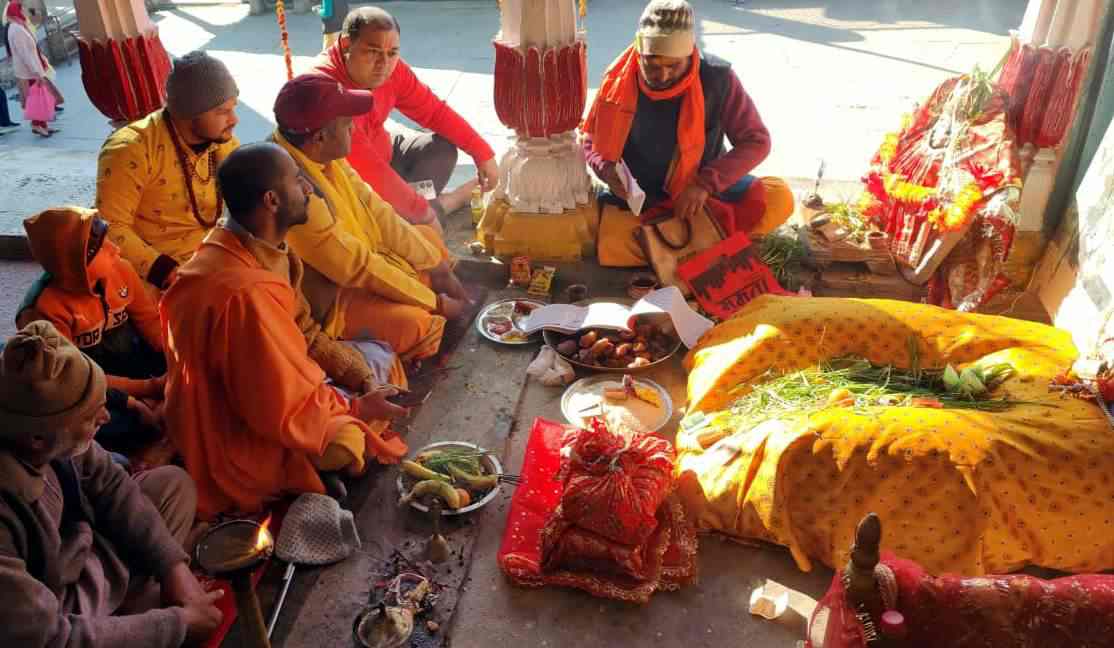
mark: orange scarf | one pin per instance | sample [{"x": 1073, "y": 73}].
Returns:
[{"x": 612, "y": 113}]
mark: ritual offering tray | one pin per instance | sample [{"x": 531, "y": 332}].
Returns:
[
  {"x": 463, "y": 475},
  {"x": 601, "y": 349},
  {"x": 501, "y": 321},
  {"x": 628, "y": 404},
  {"x": 837, "y": 234}
]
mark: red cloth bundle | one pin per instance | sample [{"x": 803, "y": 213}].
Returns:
[
  {"x": 541, "y": 547},
  {"x": 565, "y": 546},
  {"x": 614, "y": 486}
]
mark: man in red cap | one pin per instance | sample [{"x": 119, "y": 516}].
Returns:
[
  {"x": 389, "y": 155},
  {"x": 371, "y": 274}
]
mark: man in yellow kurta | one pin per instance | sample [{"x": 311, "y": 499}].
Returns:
[
  {"x": 371, "y": 274},
  {"x": 157, "y": 177},
  {"x": 251, "y": 413}
]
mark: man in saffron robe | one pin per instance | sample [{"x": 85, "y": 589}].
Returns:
[
  {"x": 388, "y": 156},
  {"x": 251, "y": 413},
  {"x": 370, "y": 274},
  {"x": 663, "y": 109}
]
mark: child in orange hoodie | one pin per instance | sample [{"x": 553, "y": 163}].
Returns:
[{"x": 97, "y": 300}]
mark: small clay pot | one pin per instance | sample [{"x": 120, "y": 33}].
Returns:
[
  {"x": 641, "y": 285},
  {"x": 577, "y": 292},
  {"x": 879, "y": 241}
]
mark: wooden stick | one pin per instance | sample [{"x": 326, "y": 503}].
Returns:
[{"x": 247, "y": 605}]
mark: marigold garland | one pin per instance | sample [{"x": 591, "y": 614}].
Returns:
[
  {"x": 951, "y": 217},
  {"x": 960, "y": 212},
  {"x": 907, "y": 192},
  {"x": 888, "y": 149},
  {"x": 280, "y": 14}
]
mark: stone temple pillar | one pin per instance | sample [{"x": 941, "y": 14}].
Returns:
[
  {"x": 543, "y": 205},
  {"x": 123, "y": 63}
]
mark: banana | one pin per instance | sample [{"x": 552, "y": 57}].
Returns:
[
  {"x": 474, "y": 482},
  {"x": 441, "y": 489},
  {"x": 418, "y": 471}
]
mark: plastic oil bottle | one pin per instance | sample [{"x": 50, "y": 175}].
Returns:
[{"x": 477, "y": 206}]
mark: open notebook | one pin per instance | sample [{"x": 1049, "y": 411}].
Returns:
[{"x": 667, "y": 302}]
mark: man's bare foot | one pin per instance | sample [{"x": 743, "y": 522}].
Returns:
[{"x": 459, "y": 197}]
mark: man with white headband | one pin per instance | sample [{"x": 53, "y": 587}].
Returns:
[{"x": 663, "y": 109}]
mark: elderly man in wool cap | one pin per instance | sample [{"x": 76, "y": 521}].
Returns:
[
  {"x": 663, "y": 110},
  {"x": 82, "y": 544},
  {"x": 157, "y": 177}
]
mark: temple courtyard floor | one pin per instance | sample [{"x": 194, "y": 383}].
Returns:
[{"x": 830, "y": 78}]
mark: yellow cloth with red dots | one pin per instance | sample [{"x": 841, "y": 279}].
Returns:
[{"x": 957, "y": 490}]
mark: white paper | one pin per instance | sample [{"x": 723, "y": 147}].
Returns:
[
  {"x": 667, "y": 302},
  {"x": 424, "y": 188},
  {"x": 636, "y": 197},
  {"x": 570, "y": 319},
  {"x": 689, "y": 324}
]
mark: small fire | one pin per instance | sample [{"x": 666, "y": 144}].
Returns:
[{"x": 262, "y": 539}]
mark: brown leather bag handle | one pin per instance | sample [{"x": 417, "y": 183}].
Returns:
[{"x": 669, "y": 244}]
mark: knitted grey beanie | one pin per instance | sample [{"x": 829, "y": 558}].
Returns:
[
  {"x": 316, "y": 531},
  {"x": 198, "y": 83}
]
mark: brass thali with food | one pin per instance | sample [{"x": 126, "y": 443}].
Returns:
[
  {"x": 462, "y": 475},
  {"x": 502, "y": 321},
  {"x": 601, "y": 349}
]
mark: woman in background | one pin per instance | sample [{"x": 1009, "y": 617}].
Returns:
[{"x": 28, "y": 63}]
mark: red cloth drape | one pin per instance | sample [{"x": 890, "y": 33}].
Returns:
[
  {"x": 540, "y": 92},
  {"x": 1044, "y": 86},
  {"x": 125, "y": 79}
]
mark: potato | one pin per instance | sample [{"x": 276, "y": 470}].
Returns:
[
  {"x": 568, "y": 348},
  {"x": 585, "y": 356},
  {"x": 602, "y": 347},
  {"x": 588, "y": 339},
  {"x": 639, "y": 347},
  {"x": 623, "y": 350},
  {"x": 645, "y": 355},
  {"x": 638, "y": 362}
]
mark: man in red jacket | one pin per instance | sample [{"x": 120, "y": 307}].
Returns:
[{"x": 389, "y": 156}]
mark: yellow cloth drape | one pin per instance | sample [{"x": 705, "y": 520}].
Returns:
[
  {"x": 957, "y": 490},
  {"x": 141, "y": 191}
]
